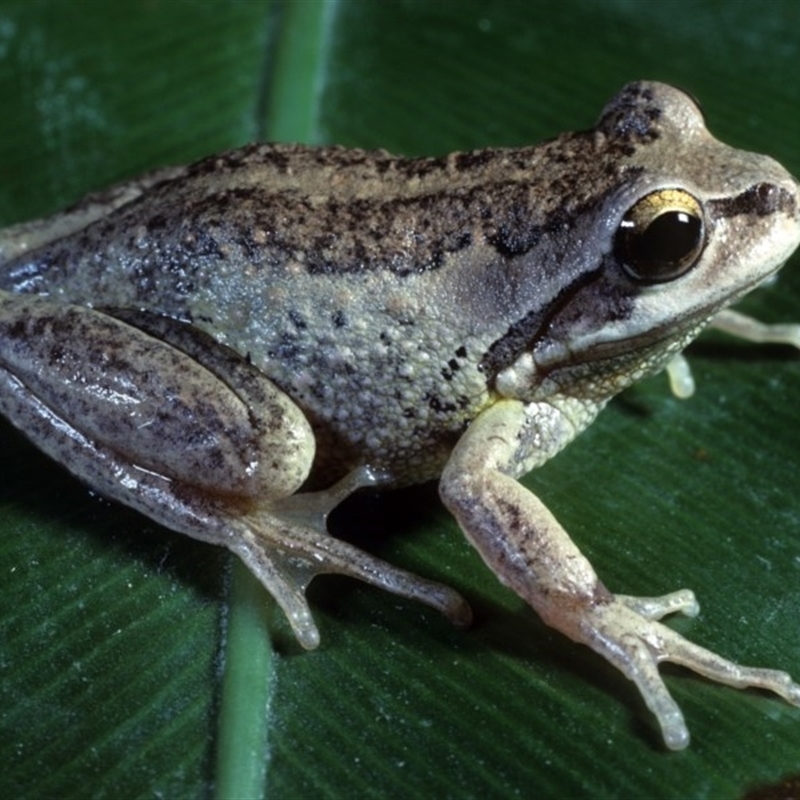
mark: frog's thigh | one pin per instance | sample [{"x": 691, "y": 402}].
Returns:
[
  {"x": 159, "y": 417},
  {"x": 529, "y": 551},
  {"x": 100, "y": 396}
]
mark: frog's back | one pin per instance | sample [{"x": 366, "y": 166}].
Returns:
[
  {"x": 370, "y": 287},
  {"x": 318, "y": 210},
  {"x": 349, "y": 277}
]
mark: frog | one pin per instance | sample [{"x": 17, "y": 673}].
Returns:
[{"x": 234, "y": 347}]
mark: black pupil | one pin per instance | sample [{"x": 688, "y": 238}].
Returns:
[
  {"x": 666, "y": 247},
  {"x": 669, "y": 237}
]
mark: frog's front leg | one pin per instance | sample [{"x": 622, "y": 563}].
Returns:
[
  {"x": 736, "y": 324},
  {"x": 158, "y": 416},
  {"x": 530, "y": 552}
]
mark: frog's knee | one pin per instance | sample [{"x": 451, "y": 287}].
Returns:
[{"x": 285, "y": 446}]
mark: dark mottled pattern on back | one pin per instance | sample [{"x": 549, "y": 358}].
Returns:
[
  {"x": 335, "y": 210},
  {"x": 633, "y": 116}
]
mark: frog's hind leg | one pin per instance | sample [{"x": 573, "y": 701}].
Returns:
[
  {"x": 156, "y": 415},
  {"x": 287, "y": 546},
  {"x": 283, "y": 537}
]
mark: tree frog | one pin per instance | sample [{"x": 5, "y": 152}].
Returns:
[{"x": 234, "y": 346}]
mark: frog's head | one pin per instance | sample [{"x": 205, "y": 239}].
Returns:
[{"x": 686, "y": 226}]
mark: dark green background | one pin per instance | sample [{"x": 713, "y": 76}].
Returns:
[{"x": 113, "y": 632}]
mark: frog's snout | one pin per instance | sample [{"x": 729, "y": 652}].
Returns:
[
  {"x": 789, "y": 202},
  {"x": 794, "y": 189}
]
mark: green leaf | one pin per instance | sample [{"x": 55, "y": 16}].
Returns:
[{"x": 135, "y": 662}]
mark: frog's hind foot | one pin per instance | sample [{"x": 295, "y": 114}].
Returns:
[{"x": 285, "y": 556}]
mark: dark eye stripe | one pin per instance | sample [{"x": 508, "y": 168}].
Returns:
[{"x": 760, "y": 200}]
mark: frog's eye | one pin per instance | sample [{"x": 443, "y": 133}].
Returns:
[{"x": 661, "y": 237}]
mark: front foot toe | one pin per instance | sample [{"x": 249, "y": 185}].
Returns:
[
  {"x": 680, "y": 602},
  {"x": 626, "y": 631}
]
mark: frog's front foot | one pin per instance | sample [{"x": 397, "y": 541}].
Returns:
[
  {"x": 626, "y": 631},
  {"x": 527, "y": 548}
]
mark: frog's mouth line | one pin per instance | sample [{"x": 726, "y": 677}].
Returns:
[
  {"x": 627, "y": 360},
  {"x": 666, "y": 339}
]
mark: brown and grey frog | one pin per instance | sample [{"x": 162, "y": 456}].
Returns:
[{"x": 235, "y": 346}]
